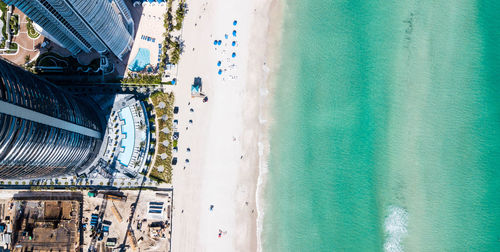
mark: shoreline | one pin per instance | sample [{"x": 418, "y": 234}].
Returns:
[{"x": 275, "y": 14}]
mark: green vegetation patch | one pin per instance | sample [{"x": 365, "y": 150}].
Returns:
[
  {"x": 168, "y": 99},
  {"x": 12, "y": 48},
  {"x": 3, "y": 8},
  {"x": 179, "y": 14},
  {"x": 143, "y": 79},
  {"x": 14, "y": 24},
  {"x": 31, "y": 29}
]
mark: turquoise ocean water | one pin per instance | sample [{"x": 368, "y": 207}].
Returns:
[{"x": 387, "y": 128}]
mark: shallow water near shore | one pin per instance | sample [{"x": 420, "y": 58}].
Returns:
[{"x": 385, "y": 132}]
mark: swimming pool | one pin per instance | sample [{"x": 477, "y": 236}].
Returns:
[
  {"x": 128, "y": 142},
  {"x": 140, "y": 61}
]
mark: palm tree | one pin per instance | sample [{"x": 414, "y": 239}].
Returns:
[{"x": 137, "y": 163}]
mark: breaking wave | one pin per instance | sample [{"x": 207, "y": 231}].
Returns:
[{"x": 395, "y": 227}]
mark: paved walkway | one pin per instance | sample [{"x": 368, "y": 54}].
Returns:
[{"x": 26, "y": 45}]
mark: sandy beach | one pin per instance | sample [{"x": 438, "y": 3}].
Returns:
[{"x": 226, "y": 132}]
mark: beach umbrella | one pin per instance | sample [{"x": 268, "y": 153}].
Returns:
[
  {"x": 165, "y": 130},
  {"x": 225, "y": 35},
  {"x": 219, "y": 42},
  {"x": 233, "y": 55},
  {"x": 235, "y": 22},
  {"x": 220, "y": 71},
  {"x": 234, "y": 33},
  {"x": 234, "y": 43},
  {"x": 215, "y": 42},
  {"x": 218, "y": 63}
]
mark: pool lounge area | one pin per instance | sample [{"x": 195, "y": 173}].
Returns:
[{"x": 128, "y": 130}]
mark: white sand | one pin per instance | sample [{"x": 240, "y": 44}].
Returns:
[{"x": 224, "y": 129}]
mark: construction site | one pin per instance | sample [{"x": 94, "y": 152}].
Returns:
[
  {"x": 40, "y": 221},
  {"x": 91, "y": 221},
  {"x": 127, "y": 221}
]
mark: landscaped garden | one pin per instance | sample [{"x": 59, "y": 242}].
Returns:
[
  {"x": 14, "y": 24},
  {"x": 164, "y": 107},
  {"x": 31, "y": 29},
  {"x": 3, "y": 8}
]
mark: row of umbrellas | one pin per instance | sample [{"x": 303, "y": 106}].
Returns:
[
  {"x": 233, "y": 43},
  {"x": 219, "y": 42}
]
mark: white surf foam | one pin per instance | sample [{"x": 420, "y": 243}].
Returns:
[
  {"x": 395, "y": 226},
  {"x": 263, "y": 91},
  {"x": 260, "y": 182}
]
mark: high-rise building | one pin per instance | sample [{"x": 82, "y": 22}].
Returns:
[
  {"x": 44, "y": 131},
  {"x": 82, "y": 25}
]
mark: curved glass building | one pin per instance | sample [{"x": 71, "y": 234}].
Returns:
[
  {"x": 44, "y": 131},
  {"x": 82, "y": 25}
]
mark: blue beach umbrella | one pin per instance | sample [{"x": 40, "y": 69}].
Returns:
[
  {"x": 225, "y": 35},
  {"x": 218, "y": 63},
  {"x": 220, "y": 72},
  {"x": 233, "y": 55},
  {"x": 219, "y": 42},
  {"x": 234, "y": 43},
  {"x": 215, "y": 42},
  {"x": 234, "y": 33},
  {"x": 235, "y": 22}
]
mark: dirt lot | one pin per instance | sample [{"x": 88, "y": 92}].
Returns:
[{"x": 117, "y": 216}]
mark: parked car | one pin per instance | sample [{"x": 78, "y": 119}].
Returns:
[{"x": 174, "y": 161}]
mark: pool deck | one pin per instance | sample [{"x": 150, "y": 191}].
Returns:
[{"x": 150, "y": 25}]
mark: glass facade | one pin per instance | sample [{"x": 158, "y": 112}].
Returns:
[
  {"x": 30, "y": 149},
  {"x": 82, "y": 25}
]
